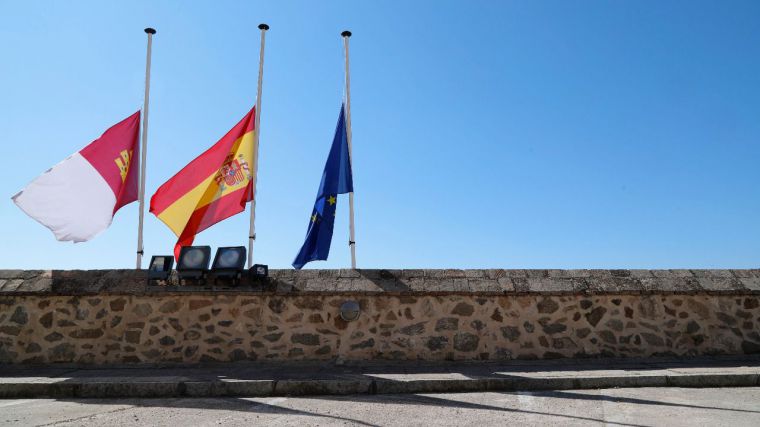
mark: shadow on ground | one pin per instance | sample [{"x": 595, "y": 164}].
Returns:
[{"x": 261, "y": 406}]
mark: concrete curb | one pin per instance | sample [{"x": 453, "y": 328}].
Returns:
[{"x": 173, "y": 387}]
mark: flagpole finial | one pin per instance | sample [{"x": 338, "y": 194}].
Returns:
[
  {"x": 150, "y": 30},
  {"x": 346, "y": 33},
  {"x": 263, "y": 27}
]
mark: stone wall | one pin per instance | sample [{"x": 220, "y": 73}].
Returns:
[{"x": 115, "y": 317}]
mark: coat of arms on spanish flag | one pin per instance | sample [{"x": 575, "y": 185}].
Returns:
[{"x": 214, "y": 186}]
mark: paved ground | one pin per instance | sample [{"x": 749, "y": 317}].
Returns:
[
  {"x": 265, "y": 380},
  {"x": 627, "y": 407}
]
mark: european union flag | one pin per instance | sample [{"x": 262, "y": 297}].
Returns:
[{"x": 336, "y": 179}]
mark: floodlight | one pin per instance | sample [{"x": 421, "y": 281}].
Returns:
[
  {"x": 160, "y": 267},
  {"x": 193, "y": 261},
  {"x": 229, "y": 262},
  {"x": 259, "y": 271}
]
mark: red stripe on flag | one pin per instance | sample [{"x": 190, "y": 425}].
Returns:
[{"x": 206, "y": 216}]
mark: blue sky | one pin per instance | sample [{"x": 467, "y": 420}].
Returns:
[{"x": 551, "y": 134}]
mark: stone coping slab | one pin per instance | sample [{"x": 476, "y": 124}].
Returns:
[
  {"x": 282, "y": 379},
  {"x": 393, "y": 282}
]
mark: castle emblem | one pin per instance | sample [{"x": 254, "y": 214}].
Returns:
[{"x": 123, "y": 162}]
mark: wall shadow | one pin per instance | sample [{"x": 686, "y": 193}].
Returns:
[{"x": 385, "y": 280}]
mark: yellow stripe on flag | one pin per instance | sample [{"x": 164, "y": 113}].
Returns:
[{"x": 212, "y": 188}]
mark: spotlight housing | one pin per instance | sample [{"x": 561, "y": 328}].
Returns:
[
  {"x": 229, "y": 262},
  {"x": 193, "y": 262},
  {"x": 160, "y": 267},
  {"x": 259, "y": 271}
]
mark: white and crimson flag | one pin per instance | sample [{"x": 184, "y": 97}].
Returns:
[{"x": 77, "y": 198}]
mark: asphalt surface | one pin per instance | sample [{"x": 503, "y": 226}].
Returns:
[{"x": 626, "y": 407}]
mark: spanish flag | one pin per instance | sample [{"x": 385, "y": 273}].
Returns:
[{"x": 213, "y": 187}]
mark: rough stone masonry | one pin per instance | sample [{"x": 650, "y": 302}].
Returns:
[{"x": 115, "y": 316}]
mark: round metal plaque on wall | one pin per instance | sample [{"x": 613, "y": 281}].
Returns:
[{"x": 349, "y": 311}]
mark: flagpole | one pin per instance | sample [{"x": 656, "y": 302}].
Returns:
[
  {"x": 252, "y": 228},
  {"x": 144, "y": 149},
  {"x": 352, "y": 238}
]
